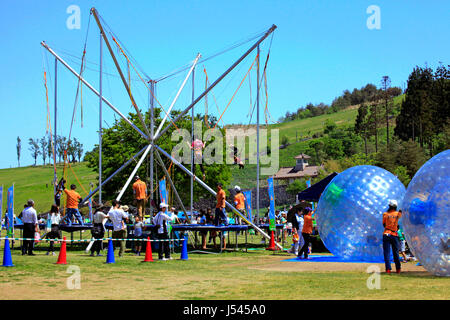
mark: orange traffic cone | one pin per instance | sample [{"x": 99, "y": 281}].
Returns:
[
  {"x": 272, "y": 245},
  {"x": 62, "y": 253},
  {"x": 148, "y": 251}
]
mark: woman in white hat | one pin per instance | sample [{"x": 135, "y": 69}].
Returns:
[{"x": 161, "y": 222}]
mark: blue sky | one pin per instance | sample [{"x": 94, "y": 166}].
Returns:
[{"x": 319, "y": 49}]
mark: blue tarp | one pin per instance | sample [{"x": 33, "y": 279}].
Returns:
[
  {"x": 313, "y": 193},
  {"x": 330, "y": 258}
]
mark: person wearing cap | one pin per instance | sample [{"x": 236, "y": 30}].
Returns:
[
  {"x": 140, "y": 195},
  {"x": 239, "y": 203},
  {"x": 306, "y": 231},
  {"x": 161, "y": 221},
  {"x": 30, "y": 226},
  {"x": 390, "y": 236},
  {"x": 117, "y": 216},
  {"x": 73, "y": 199}
]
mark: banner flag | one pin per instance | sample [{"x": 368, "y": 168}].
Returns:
[
  {"x": 10, "y": 213},
  {"x": 248, "y": 204},
  {"x": 272, "y": 226},
  {"x": 162, "y": 191}
]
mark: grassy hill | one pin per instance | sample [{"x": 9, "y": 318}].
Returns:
[
  {"x": 36, "y": 183},
  {"x": 299, "y": 133}
]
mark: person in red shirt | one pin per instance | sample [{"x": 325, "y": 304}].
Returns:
[
  {"x": 72, "y": 201},
  {"x": 390, "y": 236},
  {"x": 306, "y": 231},
  {"x": 140, "y": 194}
]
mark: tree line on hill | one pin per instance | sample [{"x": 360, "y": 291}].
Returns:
[
  {"x": 366, "y": 94},
  {"x": 43, "y": 147},
  {"x": 399, "y": 137}
]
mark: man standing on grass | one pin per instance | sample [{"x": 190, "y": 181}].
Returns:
[
  {"x": 30, "y": 226},
  {"x": 390, "y": 236},
  {"x": 117, "y": 215},
  {"x": 73, "y": 199},
  {"x": 306, "y": 232},
  {"x": 140, "y": 194},
  {"x": 161, "y": 221}
]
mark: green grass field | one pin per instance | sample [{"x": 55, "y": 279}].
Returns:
[{"x": 254, "y": 275}]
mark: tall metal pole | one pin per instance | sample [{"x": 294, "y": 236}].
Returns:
[
  {"x": 192, "y": 141},
  {"x": 55, "y": 178},
  {"x": 100, "y": 126},
  {"x": 257, "y": 137},
  {"x": 152, "y": 132}
]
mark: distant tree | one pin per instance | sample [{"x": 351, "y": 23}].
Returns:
[
  {"x": 43, "y": 143},
  {"x": 78, "y": 149},
  {"x": 385, "y": 85},
  {"x": 296, "y": 186},
  {"x": 34, "y": 148},
  {"x": 373, "y": 123},
  {"x": 19, "y": 148},
  {"x": 329, "y": 126},
  {"x": 61, "y": 143},
  {"x": 362, "y": 124},
  {"x": 49, "y": 147}
]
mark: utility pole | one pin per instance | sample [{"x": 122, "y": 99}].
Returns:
[{"x": 385, "y": 84}]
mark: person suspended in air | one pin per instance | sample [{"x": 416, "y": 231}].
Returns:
[
  {"x": 198, "y": 146},
  {"x": 236, "y": 158}
]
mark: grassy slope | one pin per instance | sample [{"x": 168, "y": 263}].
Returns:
[
  {"x": 36, "y": 183},
  {"x": 303, "y": 128}
]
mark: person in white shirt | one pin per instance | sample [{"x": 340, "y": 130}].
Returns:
[
  {"x": 161, "y": 221},
  {"x": 55, "y": 233},
  {"x": 30, "y": 226},
  {"x": 117, "y": 216}
]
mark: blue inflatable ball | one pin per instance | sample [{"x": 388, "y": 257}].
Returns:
[
  {"x": 426, "y": 213},
  {"x": 350, "y": 212}
]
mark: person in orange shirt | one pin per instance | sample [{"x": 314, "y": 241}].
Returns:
[
  {"x": 390, "y": 236},
  {"x": 239, "y": 203},
  {"x": 306, "y": 231},
  {"x": 140, "y": 194},
  {"x": 72, "y": 201},
  {"x": 220, "y": 214}
]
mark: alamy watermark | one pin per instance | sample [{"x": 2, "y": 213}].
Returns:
[
  {"x": 73, "y": 281},
  {"x": 374, "y": 280},
  {"x": 374, "y": 20},
  {"x": 211, "y": 146},
  {"x": 74, "y": 20}
]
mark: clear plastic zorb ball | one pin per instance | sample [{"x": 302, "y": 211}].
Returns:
[
  {"x": 426, "y": 213},
  {"x": 350, "y": 212}
]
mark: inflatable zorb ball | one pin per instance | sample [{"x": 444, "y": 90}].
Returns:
[
  {"x": 350, "y": 212},
  {"x": 426, "y": 214}
]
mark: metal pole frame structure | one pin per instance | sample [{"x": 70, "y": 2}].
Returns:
[
  {"x": 55, "y": 177},
  {"x": 100, "y": 125},
  {"x": 158, "y": 134}
]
